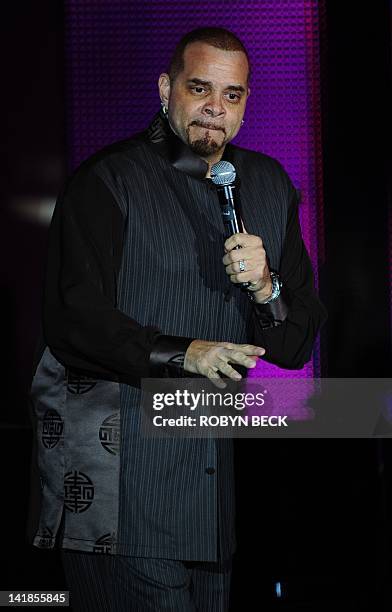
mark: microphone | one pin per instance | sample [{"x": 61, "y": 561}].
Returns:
[{"x": 223, "y": 175}]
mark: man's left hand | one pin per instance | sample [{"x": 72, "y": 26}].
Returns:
[{"x": 253, "y": 255}]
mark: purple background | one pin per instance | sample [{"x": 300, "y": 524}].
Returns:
[{"x": 116, "y": 50}]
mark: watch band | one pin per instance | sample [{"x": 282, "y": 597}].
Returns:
[
  {"x": 276, "y": 288},
  {"x": 273, "y": 311}
]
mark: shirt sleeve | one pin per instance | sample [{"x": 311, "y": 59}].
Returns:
[
  {"x": 82, "y": 324},
  {"x": 289, "y": 345}
]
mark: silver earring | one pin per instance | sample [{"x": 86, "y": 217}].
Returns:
[
  {"x": 242, "y": 122},
  {"x": 164, "y": 108}
]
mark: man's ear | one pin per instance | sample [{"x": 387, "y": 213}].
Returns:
[{"x": 164, "y": 88}]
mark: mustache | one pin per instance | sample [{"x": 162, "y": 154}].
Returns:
[{"x": 209, "y": 126}]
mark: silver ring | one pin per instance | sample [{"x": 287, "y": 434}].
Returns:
[{"x": 242, "y": 265}]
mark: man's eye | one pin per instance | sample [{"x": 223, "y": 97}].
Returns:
[
  {"x": 198, "y": 89},
  {"x": 233, "y": 97}
]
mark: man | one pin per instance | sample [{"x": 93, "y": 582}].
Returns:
[{"x": 140, "y": 282}]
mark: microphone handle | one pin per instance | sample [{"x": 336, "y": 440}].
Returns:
[{"x": 232, "y": 223}]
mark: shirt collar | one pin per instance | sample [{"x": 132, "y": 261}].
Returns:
[{"x": 167, "y": 143}]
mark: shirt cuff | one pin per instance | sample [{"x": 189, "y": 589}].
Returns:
[
  {"x": 273, "y": 313},
  {"x": 167, "y": 356}
]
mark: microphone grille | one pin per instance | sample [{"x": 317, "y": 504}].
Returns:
[{"x": 223, "y": 173}]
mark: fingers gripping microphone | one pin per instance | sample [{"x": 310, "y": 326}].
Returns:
[{"x": 223, "y": 176}]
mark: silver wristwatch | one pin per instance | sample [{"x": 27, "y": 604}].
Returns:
[{"x": 276, "y": 287}]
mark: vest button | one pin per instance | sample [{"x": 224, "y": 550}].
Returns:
[{"x": 210, "y": 470}]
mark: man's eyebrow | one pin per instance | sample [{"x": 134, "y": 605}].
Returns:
[{"x": 196, "y": 81}]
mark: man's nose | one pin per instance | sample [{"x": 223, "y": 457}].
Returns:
[{"x": 214, "y": 107}]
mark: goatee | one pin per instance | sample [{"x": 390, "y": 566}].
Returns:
[{"x": 204, "y": 146}]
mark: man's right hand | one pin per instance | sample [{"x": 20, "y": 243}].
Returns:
[{"x": 208, "y": 358}]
